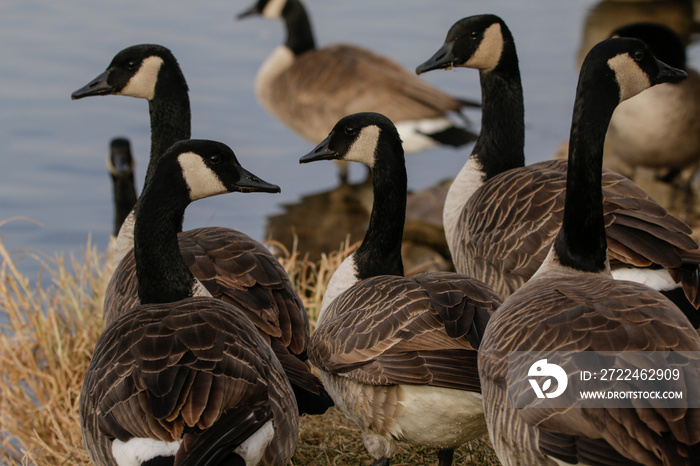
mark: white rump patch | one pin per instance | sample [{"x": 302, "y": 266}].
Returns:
[
  {"x": 489, "y": 52},
  {"x": 274, "y": 8},
  {"x": 365, "y": 145},
  {"x": 657, "y": 279},
  {"x": 138, "y": 450},
  {"x": 414, "y": 133},
  {"x": 143, "y": 83},
  {"x": 253, "y": 449},
  {"x": 201, "y": 180},
  {"x": 630, "y": 77}
]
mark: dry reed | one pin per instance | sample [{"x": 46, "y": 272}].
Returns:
[{"x": 49, "y": 329}]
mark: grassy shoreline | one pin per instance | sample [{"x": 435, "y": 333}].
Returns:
[{"x": 52, "y": 324}]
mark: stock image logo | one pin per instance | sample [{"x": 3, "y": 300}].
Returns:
[{"x": 545, "y": 372}]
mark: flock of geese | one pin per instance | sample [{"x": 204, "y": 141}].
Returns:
[{"x": 206, "y": 354}]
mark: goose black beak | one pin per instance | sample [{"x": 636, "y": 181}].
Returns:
[
  {"x": 442, "y": 59},
  {"x": 98, "y": 86},
  {"x": 669, "y": 74},
  {"x": 320, "y": 152},
  {"x": 252, "y": 11},
  {"x": 249, "y": 183}
]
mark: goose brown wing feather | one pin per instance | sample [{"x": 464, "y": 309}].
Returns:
[
  {"x": 596, "y": 314},
  {"x": 318, "y": 80},
  {"x": 235, "y": 268},
  {"x": 394, "y": 333},
  {"x": 161, "y": 371},
  {"x": 505, "y": 246}
]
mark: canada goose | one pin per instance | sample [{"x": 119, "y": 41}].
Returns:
[
  {"x": 233, "y": 266},
  {"x": 184, "y": 376},
  {"x": 500, "y": 217},
  {"x": 573, "y": 304},
  {"x": 659, "y": 128},
  {"x": 397, "y": 353},
  {"x": 120, "y": 164},
  {"x": 309, "y": 88}
]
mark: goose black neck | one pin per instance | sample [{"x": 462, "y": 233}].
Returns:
[
  {"x": 582, "y": 242},
  {"x": 170, "y": 113},
  {"x": 501, "y": 142},
  {"x": 160, "y": 269},
  {"x": 300, "y": 38},
  {"x": 380, "y": 251},
  {"x": 124, "y": 193}
]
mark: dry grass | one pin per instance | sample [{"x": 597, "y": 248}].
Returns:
[
  {"x": 50, "y": 325},
  {"x": 49, "y": 330}
]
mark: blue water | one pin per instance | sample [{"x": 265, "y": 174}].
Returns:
[{"x": 54, "y": 188}]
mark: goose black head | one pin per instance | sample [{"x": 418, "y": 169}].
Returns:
[
  {"x": 120, "y": 162},
  {"x": 208, "y": 168},
  {"x": 358, "y": 138},
  {"x": 631, "y": 65},
  {"x": 473, "y": 42},
  {"x": 136, "y": 72},
  {"x": 266, "y": 8}
]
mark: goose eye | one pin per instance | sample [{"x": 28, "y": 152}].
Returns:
[
  {"x": 474, "y": 35},
  {"x": 214, "y": 159},
  {"x": 130, "y": 65},
  {"x": 638, "y": 55},
  {"x": 349, "y": 130}
]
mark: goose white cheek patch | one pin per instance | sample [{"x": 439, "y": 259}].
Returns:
[
  {"x": 274, "y": 8},
  {"x": 490, "y": 49},
  {"x": 201, "y": 180},
  {"x": 364, "y": 147},
  {"x": 630, "y": 77},
  {"x": 143, "y": 83}
]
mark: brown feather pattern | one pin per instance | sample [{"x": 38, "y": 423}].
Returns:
[
  {"x": 318, "y": 79},
  {"x": 181, "y": 367},
  {"x": 240, "y": 271},
  {"x": 588, "y": 312},
  {"x": 505, "y": 246},
  {"x": 389, "y": 330}
]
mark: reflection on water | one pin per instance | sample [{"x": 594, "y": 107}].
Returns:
[
  {"x": 53, "y": 149},
  {"x": 322, "y": 222}
]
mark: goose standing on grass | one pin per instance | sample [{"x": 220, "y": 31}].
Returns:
[
  {"x": 230, "y": 264},
  {"x": 500, "y": 217},
  {"x": 574, "y": 304},
  {"x": 120, "y": 164},
  {"x": 660, "y": 128},
  {"x": 185, "y": 378},
  {"x": 309, "y": 88},
  {"x": 397, "y": 354}
]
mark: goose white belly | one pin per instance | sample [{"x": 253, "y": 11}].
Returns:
[{"x": 419, "y": 414}]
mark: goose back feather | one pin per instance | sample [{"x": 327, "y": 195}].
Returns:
[
  {"x": 500, "y": 216},
  {"x": 182, "y": 376},
  {"x": 573, "y": 303},
  {"x": 397, "y": 354},
  {"x": 230, "y": 264},
  {"x": 308, "y": 88}
]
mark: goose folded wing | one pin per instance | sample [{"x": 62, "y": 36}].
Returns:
[
  {"x": 234, "y": 268},
  {"x": 164, "y": 372},
  {"x": 606, "y": 317},
  {"x": 395, "y": 333},
  {"x": 241, "y": 271}
]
